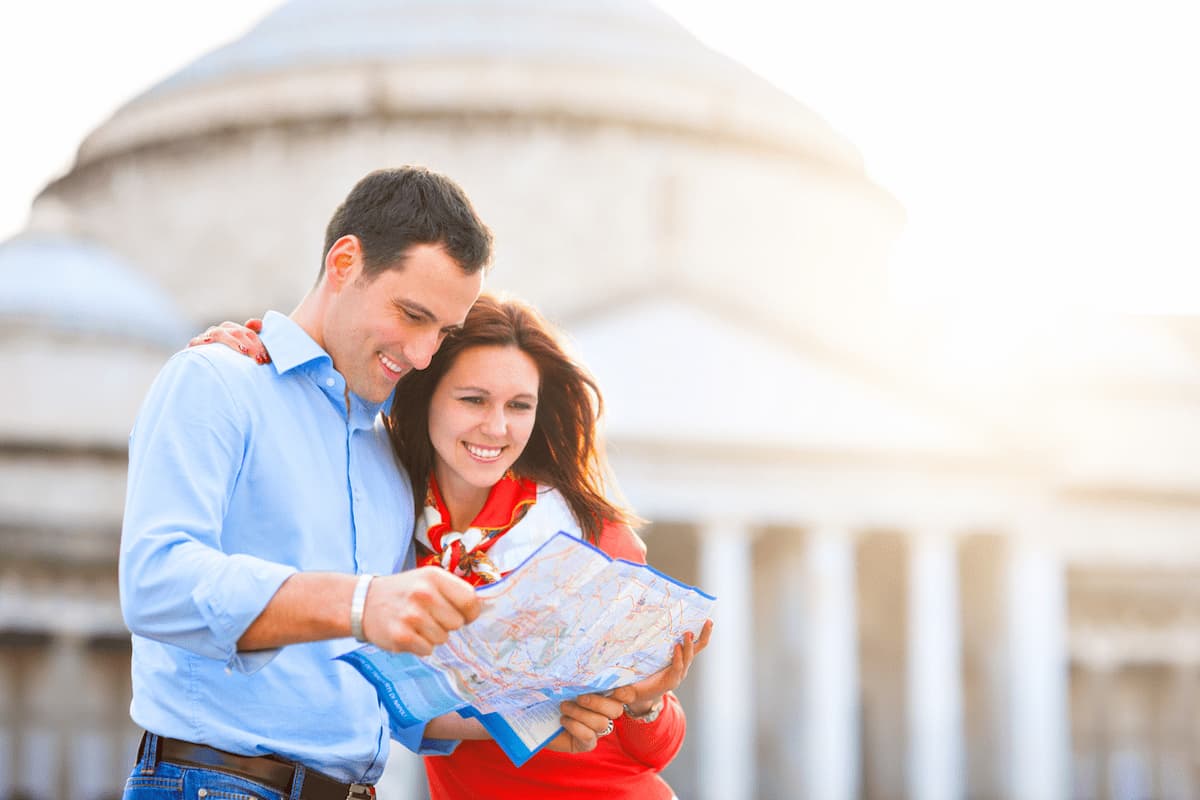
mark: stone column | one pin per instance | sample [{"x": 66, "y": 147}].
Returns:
[
  {"x": 1039, "y": 741},
  {"x": 724, "y": 675},
  {"x": 831, "y": 737},
  {"x": 935, "y": 716},
  {"x": 1178, "y": 733}
]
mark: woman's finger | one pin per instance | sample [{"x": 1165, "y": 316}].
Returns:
[
  {"x": 624, "y": 695},
  {"x": 688, "y": 653},
  {"x": 583, "y": 737},
  {"x": 592, "y": 719},
  {"x": 610, "y": 707}
]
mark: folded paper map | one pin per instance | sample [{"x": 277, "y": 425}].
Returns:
[{"x": 568, "y": 621}]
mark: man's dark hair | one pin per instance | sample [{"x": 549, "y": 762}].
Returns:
[{"x": 391, "y": 210}]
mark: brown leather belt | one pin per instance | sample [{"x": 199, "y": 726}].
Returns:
[{"x": 272, "y": 772}]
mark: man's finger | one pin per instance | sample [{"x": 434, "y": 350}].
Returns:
[
  {"x": 457, "y": 592},
  {"x": 401, "y": 638}
]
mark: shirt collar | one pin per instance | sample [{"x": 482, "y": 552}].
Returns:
[{"x": 290, "y": 345}]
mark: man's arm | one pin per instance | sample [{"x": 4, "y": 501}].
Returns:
[
  {"x": 185, "y": 455},
  {"x": 179, "y": 586},
  {"x": 412, "y": 611}
]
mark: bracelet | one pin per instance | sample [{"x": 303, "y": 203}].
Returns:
[
  {"x": 650, "y": 715},
  {"x": 357, "y": 604}
]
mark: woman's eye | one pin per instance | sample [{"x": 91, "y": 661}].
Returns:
[
  {"x": 412, "y": 317},
  {"x": 472, "y": 400},
  {"x": 521, "y": 405}
]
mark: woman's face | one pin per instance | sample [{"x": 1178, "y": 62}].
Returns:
[{"x": 480, "y": 418}]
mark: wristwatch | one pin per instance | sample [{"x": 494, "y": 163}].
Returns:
[{"x": 650, "y": 715}]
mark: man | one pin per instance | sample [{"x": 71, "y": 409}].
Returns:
[{"x": 262, "y": 500}]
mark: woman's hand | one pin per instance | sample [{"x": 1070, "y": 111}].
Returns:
[
  {"x": 587, "y": 718},
  {"x": 243, "y": 338},
  {"x": 649, "y": 691}
]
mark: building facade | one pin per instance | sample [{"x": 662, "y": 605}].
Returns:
[{"x": 920, "y": 595}]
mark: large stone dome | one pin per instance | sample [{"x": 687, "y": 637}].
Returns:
[
  {"x": 611, "y": 152},
  {"x": 628, "y": 51}
]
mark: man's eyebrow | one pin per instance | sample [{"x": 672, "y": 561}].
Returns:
[
  {"x": 413, "y": 307},
  {"x": 417, "y": 309}
]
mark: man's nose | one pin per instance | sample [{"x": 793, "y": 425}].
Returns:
[{"x": 419, "y": 352}]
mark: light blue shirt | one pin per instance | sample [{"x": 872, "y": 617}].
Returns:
[{"x": 241, "y": 475}]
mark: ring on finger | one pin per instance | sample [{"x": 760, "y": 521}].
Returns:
[{"x": 607, "y": 730}]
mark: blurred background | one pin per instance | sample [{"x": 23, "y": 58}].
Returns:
[{"x": 892, "y": 306}]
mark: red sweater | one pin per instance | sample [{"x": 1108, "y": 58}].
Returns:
[{"x": 623, "y": 765}]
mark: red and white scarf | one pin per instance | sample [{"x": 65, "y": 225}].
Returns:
[{"x": 517, "y": 518}]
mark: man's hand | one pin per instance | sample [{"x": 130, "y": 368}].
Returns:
[{"x": 415, "y": 611}]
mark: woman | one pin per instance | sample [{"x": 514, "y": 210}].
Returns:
[{"x": 499, "y": 437}]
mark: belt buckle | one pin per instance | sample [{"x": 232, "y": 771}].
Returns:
[{"x": 360, "y": 791}]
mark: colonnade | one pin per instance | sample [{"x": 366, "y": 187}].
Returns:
[{"x": 827, "y": 749}]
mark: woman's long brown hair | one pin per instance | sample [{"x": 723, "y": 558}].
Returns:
[{"x": 563, "y": 451}]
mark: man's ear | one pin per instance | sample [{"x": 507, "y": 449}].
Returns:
[{"x": 343, "y": 262}]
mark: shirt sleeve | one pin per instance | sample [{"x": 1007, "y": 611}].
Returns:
[
  {"x": 654, "y": 743},
  {"x": 185, "y": 453},
  {"x": 415, "y": 740}
]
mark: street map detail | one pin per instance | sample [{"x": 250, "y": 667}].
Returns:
[{"x": 568, "y": 621}]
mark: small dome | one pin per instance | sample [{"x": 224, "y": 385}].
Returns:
[{"x": 73, "y": 285}]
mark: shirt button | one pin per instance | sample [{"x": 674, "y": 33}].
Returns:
[{"x": 330, "y": 382}]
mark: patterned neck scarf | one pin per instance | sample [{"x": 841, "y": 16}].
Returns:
[{"x": 465, "y": 552}]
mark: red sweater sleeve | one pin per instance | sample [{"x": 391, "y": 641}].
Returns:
[
  {"x": 652, "y": 743},
  {"x": 620, "y": 541}
]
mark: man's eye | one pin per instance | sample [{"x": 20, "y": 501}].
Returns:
[{"x": 412, "y": 317}]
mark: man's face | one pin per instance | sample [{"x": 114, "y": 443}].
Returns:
[{"x": 378, "y": 330}]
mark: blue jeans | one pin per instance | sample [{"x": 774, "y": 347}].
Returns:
[{"x": 154, "y": 780}]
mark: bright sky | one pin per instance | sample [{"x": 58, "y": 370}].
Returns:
[{"x": 1047, "y": 151}]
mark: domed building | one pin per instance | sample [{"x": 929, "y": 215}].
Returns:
[
  {"x": 919, "y": 594},
  {"x": 82, "y": 335}
]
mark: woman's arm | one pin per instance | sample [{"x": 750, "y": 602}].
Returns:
[
  {"x": 654, "y": 743},
  {"x": 584, "y": 720}
]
